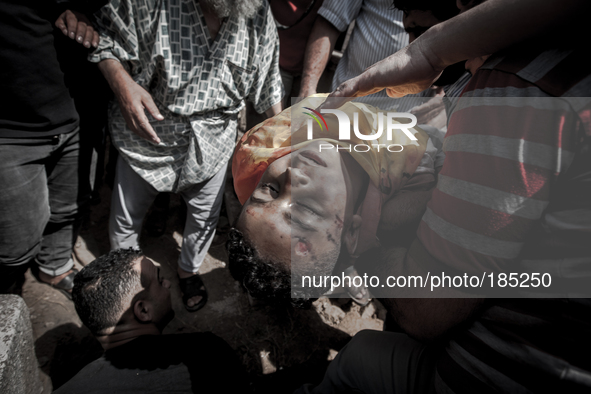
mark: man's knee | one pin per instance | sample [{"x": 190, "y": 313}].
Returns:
[
  {"x": 19, "y": 253},
  {"x": 376, "y": 361},
  {"x": 66, "y": 212},
  {"x": 365, "y": 339},
  {"x": 369, "y": 347},
  {"x": 20, "y": 235},
  {"x": 206, "y": 207},
  {"x": 359, "y": 350}
]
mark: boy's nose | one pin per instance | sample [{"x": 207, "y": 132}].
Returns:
[{"x": 295, "y": 177}]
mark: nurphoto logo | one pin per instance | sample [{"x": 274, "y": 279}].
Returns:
[
  {"x": 384, "y": 121},
  {"x": 315, "y": 115}
]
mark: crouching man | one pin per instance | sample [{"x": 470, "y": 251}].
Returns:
[{"x": 124, "y": 301}]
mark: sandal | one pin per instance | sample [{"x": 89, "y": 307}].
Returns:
[
  {"x": 191, "y": 287},
  {"x": 65, "y": 285},
  {"x": 359, "y": 294}
]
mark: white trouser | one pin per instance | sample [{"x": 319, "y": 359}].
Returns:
[{"x": 133, "y": 196}]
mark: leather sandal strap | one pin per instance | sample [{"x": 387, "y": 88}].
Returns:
[{"x": 192, "y": 286}]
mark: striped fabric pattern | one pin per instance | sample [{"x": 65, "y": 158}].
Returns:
[
  {"x": 198, "y": 83},
  {"x": 515, "y": 191},
  {"x": 378, "y": 33}
]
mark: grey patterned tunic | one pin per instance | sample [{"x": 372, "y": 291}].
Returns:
[{"x": 199, "y": 84}]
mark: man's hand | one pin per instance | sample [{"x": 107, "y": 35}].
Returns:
[
  {"x": 480, "y": 31},
  {"x": 76, "y": 26},
  {"x": 133, "y": 100},
  {"x": 408, "y": 71}
]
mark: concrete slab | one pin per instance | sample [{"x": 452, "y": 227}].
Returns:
[{"x": 18, "y": 364}]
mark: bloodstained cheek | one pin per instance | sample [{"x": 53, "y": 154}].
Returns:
[
  {"x": 338, "y": 221},
  {"x": 330, "y": 238},
  {"x": 301, "y": 249}
]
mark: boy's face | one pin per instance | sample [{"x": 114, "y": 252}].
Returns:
[{"x": 297, "y": 213}]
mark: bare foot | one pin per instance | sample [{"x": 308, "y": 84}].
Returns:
[{"x": 184, "y": 274}]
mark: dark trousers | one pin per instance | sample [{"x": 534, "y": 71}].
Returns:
[
  {"x": 44, "y": 184},
  {"x": 377, "y": 362}
]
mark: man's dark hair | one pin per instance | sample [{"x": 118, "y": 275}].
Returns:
[
  {"x": 441, "y": 9},
  {"x": 101, "y": 287},
  {"x": 261, "y": 278}
]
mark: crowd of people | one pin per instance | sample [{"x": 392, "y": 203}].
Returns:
[{"x": 493, "y": 176}]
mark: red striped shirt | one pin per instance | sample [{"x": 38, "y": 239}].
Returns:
[{"x": 515, "y": 180}]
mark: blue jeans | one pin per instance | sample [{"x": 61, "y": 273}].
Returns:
[{"x": 44, "y": 184}]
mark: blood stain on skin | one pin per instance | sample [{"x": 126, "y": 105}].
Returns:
[
  {"x": 339, "y": 222},
  {"x": 330, "y": 238},
  {"x": 301, "y": 249}
]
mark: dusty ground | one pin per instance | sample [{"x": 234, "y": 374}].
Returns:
[{"x": 280, "y": 347}]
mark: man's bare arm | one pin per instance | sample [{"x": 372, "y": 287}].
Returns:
[
  {"x": 321, "y": 42},
  {"x": 483, "y": 30},
  {"x": 132, "y": 98},
  {"x": 274, "y": 110}
]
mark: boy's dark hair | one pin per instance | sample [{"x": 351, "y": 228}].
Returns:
[
  {"x": 101, "y": 287},
  {"x": 441, "y": 9},
  {"x": 261, "y": 278}
]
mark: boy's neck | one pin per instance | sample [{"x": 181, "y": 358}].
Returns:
[{"x": 359, "y": 179}]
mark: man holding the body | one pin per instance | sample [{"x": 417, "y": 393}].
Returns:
[
  {"x": 124, "y": 301},
  {"x": 513, "y": 197},
  {"x": 190, "y": 66}
]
